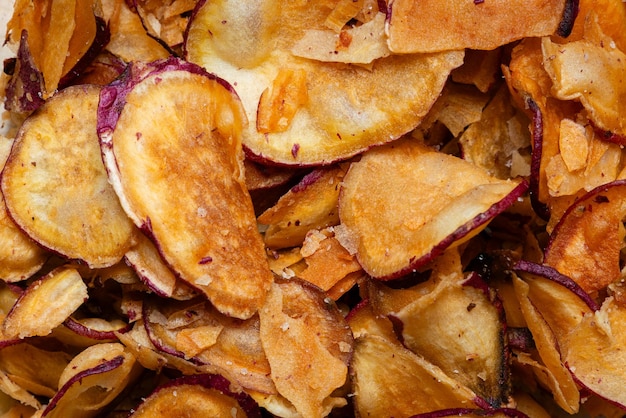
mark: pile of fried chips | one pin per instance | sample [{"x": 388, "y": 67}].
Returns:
[{"x": 344, "y": 208}]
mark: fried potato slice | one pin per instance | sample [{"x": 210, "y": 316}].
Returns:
[
  {"x": 40, "y": 374},
  {"x": 390, "y": 380},
  {"x": 586, "y": 243},
  {"x": 594, "y": 352},
  {"x": 418, "y": 25},
  {"x": 197, "y": 396},
  {"x": 54, "y": 297},
  {"x": 180, "y": 178},
  {"x": 560, "y": 380},
  {"x": 92, "y": 380},
  {"x": 145, "y": 259},
  {"x": 129, "y": 39},
  {"x": 20, "y": 256},
  {"x": 349, "y": 108},
  {"x": 592, "y": 72},
  {"x": 311, "y": 204},
  {"x": 401, "y": 205},
  {"x": 308, "y": 345},
  {"x": 462, "y": 332},
  {"x": 55, "y": 185}
]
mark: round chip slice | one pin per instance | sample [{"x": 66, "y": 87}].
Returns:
[
  {"x": 303, "y": 111},
  {"x": 55, "y": 185},
  {"x": 171, "y": 138},
  {"x": 402, "y": 204}
]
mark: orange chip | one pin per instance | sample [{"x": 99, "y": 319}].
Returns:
[{"x": 436, "y": 25}]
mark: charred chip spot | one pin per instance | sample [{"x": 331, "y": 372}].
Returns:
[{"x": 206, "y": 260}]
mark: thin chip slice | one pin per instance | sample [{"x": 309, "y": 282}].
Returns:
[
  {"x": 390, "y": 380},
  {"x": 311, "y": 204},
  {"x": 179, "y": 176},
  {"x": 197, "y": 396},
  {"x": 349, "y": 108},
  {"x": 92, "y": 380},
  {"x": 20, "y": 256},
  {"x": 561, "y": 381},
  {"x": 401, "y": 205},
  {"x": 594, "y": 352},
  {"x": 55, "y": 185},
  {"x": 308, "y": 345},
  {"x": 152, "y": 270},
  {"x": 462, "y": 332},
  {"x": 586, "y": 243},
  {"x": 418, "y": 25},
  {"x": 592, "y": 72},
  {"x": 40, "y": 374},
  {"x": 54, "y": 297}
]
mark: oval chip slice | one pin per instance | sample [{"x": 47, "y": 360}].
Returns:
[
  {"x": 403, "y": 204},
  {"x": 55, "y": 185},
  {"x": 306, "y": 112},
  {"x": 171, "y": 139}
]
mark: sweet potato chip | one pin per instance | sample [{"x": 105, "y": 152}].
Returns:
[
  {"x": 591, "y": 73},
  {"x": 438, "y": 200},
  {"x": 308, "y": 346},
  {"x": 349, "y": 108},
  {"x": 311, "y": 204},
  {"x": 435, "y": 25},
  {"x": 197, "y": 396},
  {"x": 594, "y": 352},
  {"x": 561, "y": 381},
  {"x": 92, "y": 380},
  {"x": 20, "y": 256},
  {"x": 202, "y": 221},
  {"x": 54, "y": 297},
  {"x": 55, "y": 185},
  {"x": 390, "y": 380},
  {"x": 586, "y": 243}
]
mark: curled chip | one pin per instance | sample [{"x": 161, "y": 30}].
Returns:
[{"x": 193, "y": 203}]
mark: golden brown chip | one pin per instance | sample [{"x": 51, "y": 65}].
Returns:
[
  {"x": 308, "y": 345},
  {"x": 54, "y": 297},
  {"x": 193, "y": 204},
  {"x": 311, "y": 204},
  {"x": 436, "y": 25},
  {"x": 559, "y": 378},
  {"x": 390, "y": 380},
  {"x": 401, "y": 205},
  {"x": 349, "y": 108},
  {"x": 20, "y": 256},
  {"x": 56, "y": 187}
]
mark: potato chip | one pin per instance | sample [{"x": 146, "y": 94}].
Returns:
[
  {"x": 431, "y": 26},
  {"x": 586, "y": 243},
  {"x": 308, "y": 346},
  {"x": 349, "y": 108},
  {"x": 311, "y": 204},
  {"x": 426, "y": 193},
  {"x": 55, "y": 185},
  {"x": 20, "y": 256},
  {"x": 54, "y": 297},
  {"x": 197, "y": 396},
  {"x": 206, "y": 230},
  {"x": 591, "y": 73},
  {"x": 560, "y": 380},
  {"x": 92, "y": 380}
]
